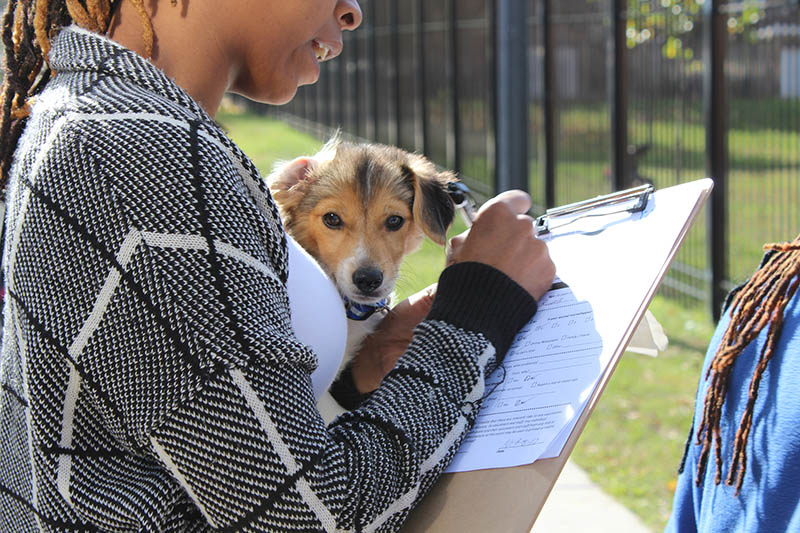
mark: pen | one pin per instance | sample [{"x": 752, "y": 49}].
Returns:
[{"x": 463, "y": 201}]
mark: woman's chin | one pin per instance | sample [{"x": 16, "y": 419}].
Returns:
[
  {"x": 271, "y": 95},
  {"x": 311, "y": 77},
  {"x": 286, "y": 94}
]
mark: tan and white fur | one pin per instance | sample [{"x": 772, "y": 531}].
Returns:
[{"x": 358, "y": 209}]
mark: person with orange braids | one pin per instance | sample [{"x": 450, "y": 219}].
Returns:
[
  {"x": 741, "y": 466},
  {"x": 151, "y": 379}
]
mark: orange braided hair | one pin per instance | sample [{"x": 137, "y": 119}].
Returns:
[
  {"x": 760, "y": 303},
  {"x": 28, "y": 26}
]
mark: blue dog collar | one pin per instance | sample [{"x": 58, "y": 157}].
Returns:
[{"x": 357, "y": 311}]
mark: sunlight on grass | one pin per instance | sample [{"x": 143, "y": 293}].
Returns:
[
  {"x": 266, "y": 141},
  {"x": 633, "y": 442}
]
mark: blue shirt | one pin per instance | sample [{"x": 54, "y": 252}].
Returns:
[{"x": 770, "y": 496}]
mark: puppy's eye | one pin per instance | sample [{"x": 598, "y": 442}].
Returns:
[
  {"x": 394, "y": 223},
  {"x": 332, "y": 220}
]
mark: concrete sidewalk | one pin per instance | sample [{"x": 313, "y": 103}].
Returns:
[{"x": 577, "y": 505}]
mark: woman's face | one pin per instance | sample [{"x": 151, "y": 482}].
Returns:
[{"x": 278, "y": 44}]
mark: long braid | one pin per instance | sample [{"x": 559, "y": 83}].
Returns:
[
  {"x": 99, "y": 12},
  {"x": 10, "y": 126},
  {"x": 28, "y": 26},
  {"x": 80, "y": 15},
  {"x": 19, "y": 14},
  {"x": 147, "y": 26},
  {"x": 40, "y": 25},
  {"x": 760, "y": 303}
]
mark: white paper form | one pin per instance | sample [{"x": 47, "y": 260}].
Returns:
[
  {"x": 540, "y": 387},
  {"x": 608, "y": 268}
]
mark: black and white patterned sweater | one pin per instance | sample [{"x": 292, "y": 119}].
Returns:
[{"x": 150, "y": 378}]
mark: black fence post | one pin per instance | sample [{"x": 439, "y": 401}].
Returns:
[
  {"x": 715, "y": 106},
  {"x": 617, "y": 65},
  {"x": 512, "y": 95},
  {"x": 373, "y": 74},
  {"x": 454, "y": 114},
  {"x": 325, "y": 94},
  {"x": 394, "y": 114},
  {"x": 490, "y": 12},
  {"x": 421, "y": 133},
  {"x": 548, "y": 103},
  {"x": 355, "y": 82},
  {"x": 342, "y": 103}
]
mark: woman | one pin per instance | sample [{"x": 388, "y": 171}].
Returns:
[
  {"x": 745, "y": 429},
  {"x": 151, "y": 379}
]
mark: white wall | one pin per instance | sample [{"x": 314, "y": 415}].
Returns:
[{"x": 790, "y": 72}]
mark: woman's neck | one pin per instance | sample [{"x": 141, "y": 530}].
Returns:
[{"x": 184, "y": 47}]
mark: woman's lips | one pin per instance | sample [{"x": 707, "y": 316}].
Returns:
[
  {"x": 325, "y": 51},
  {"x": 321, "y": 50}
]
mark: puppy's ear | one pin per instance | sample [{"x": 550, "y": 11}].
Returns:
[
  {"x": 290, "y": 181},
  {"x": 433, "y": 209}
]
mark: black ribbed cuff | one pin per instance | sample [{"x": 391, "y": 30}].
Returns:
[
  {"x": 344, "y": 390},
  {"x": 477, "y": 297}
]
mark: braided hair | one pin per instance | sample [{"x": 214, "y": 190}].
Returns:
[
  {"x": 760, "y": 303},
  {"x": 28, "y": 27}
]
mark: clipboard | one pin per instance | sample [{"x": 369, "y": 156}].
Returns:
[{"x": 500, "y": 500}]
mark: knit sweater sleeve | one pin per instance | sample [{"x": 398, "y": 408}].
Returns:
[{"x": 225, "y": 403}]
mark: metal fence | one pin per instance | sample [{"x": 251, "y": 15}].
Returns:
[{"x": 574, "y": 98}]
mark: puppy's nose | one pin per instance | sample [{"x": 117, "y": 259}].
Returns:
[{"x": 367, "y": 279}]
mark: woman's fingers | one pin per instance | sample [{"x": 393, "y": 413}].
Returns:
[
  {"x": 381, "y": 350},
  {"x": 518, "y": 201},
  {"x": 503, "y": 237}
]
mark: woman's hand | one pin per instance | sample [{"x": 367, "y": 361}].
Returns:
[
  {"x": 503, "y": 237},
  {"x": 381, "y": 350}
]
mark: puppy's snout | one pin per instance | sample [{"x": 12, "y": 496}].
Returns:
[{"x": 367, "y": 279}]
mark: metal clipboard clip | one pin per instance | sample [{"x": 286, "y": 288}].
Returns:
[{"x": 636, "y": 198}]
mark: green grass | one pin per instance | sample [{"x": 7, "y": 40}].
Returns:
[
  {"x": 265, "y": 141},
  {"x": 632, "y": 444},
  {"x": 762, "y": 184},
  {"x": 764, "y": 165}
]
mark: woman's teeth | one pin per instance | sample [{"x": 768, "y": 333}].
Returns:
[{"x": 322, "y": 51}]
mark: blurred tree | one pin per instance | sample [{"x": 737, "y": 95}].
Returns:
[{"x": 674, "y": 24}]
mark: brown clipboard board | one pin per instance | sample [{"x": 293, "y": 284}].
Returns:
[{"x": 508, "y": 500}]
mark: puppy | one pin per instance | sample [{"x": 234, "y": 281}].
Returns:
[{"x": 358, "y": 209}]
